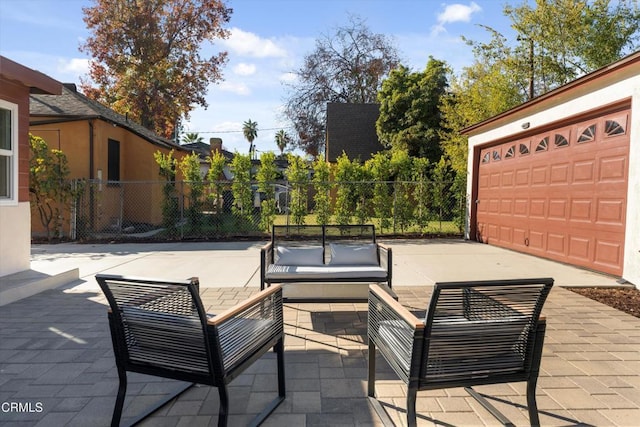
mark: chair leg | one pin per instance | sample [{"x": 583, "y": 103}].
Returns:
[
  {"x": 371, "y": 382},
  {"x": 534, "y": 418},
  {"x": 223, "y": 413},
  {"x": 262, "y": 416},
  {"x": 412, "y": 394},
  {"x": 122, "y": 390},
  {"x": 279, "y": 348}
]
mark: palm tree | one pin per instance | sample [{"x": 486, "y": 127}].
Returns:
[
  {"x": 189, "y": 138},
  {"x": 250, "y": 131},
  {"x": 282, "y": 139}
]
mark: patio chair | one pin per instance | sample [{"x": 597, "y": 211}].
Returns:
[
  {"x": 474, "y": 333},
  {"x": 160, "y": 328}
]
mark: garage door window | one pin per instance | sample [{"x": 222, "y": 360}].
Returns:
[
  {"x": 8, "y": 153},
  {"x": 611, "y": 128},
  {"x": 524, "y": 149},
  {"x": 561, "y": 141},
  {"x": 587, "y": 135},
  {"x": 543, "y": 145}
]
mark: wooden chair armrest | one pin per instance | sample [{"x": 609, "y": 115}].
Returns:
[
  {"x": 242, "y": 306},
  {"x": 403, "y": 314}
]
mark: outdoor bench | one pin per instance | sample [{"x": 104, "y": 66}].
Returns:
[{"x": 310, "y": 260}]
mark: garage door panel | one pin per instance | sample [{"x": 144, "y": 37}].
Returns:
[
  {"x": 520, "y": 207},
  {"x": 539, "y": 175},
  {"x": 579, "y": 248},
  {"x": 560, "y": 174},
  {"x": 537, "y": 208},
  {"x": 507, "y": 178},
  {"x": 581, "y": 210},
  {"x": 560, "y": 194},
  {"x": 522, "y": 177},
  {"x": 556, "y": 244},
  {"x": 608, "y": 253},
  {"x": 612, "y": 169},
  {"x": 558, "y": 209},
  {"x": 584, "y": 171},
  {"x": 610, "y": 212}
]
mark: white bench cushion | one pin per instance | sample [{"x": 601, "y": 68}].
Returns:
[
  {"x": 353, "y": 254},
  {"x": 329, "y": 272},
  {"x": 309, "y": 255}
]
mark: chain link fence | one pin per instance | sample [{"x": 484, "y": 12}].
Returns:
[{"x": 160, "y": 211}]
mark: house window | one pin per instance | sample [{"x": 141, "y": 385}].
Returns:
[
  {"x": 8, "y": 153},
  {"x": 113, "y": 166}
]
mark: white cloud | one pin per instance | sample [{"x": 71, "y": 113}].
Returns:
[
  {"x": 454, "y": 13},
  {"x": 244, "y": 69},
  {"x": 77, "y": 66},
  {"x": 233, "y": 87},
  {"x": 249, "y": 44}
]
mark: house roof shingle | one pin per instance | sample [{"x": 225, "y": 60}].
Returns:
[{"x": 72, "y": 105}]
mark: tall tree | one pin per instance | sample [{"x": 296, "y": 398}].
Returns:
[
  {"x": 347, "y": 66},
  {"x": 146, "y": 59},
  {"x": 409, "y": 110},
  {"x": 250, "y": 132},
  {"x": 282, "y": 140},
  {"x": 484, "y": 89}
]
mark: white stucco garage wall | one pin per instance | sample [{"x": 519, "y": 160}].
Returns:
[{"x": 608, "y": 89}]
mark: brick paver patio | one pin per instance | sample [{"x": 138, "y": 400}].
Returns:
[{"x": 56, "y": 362}]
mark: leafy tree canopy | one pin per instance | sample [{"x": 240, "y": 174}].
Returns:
[
  {"x": 146, "y": 57},
  {"x": 409, "y": 110},
  {"x": 347, "y": 66}
]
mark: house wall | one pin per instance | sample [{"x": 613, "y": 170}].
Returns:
[
  {"x": 137, "y": 198},
  {"x": 608, "y": 89},
  {"x": 15, "y": 244}
]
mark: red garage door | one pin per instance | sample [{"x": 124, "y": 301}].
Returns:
[{"x": 560, "y": 194}]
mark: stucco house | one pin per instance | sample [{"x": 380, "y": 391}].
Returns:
[
  {"x": 351, "y": 128},
  {"x": 16, "y": 83},
  {"x": 114, "y": 153},
  {"x": 559, "y": 176}
]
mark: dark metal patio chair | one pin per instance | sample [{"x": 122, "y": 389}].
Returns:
[
  {"x": 160, "y": 328},
  {"x": 474, "y": 333}
]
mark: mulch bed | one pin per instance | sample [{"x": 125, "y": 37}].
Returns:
[{"x": 623, "y": 299}]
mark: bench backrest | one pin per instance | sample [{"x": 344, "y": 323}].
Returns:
[
  {"x": 482, "y": 328},
  {"x": 157, "y": 324},
  {"x": 322, "y": 235}
]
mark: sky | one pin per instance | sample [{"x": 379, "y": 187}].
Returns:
[{"x": 269, "y": 40}]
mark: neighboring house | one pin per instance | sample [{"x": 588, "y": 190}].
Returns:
[
  {"x": 351, "y": 128},
  {"x": 204, "y": 150},
  {"x": 108, "y": 149},
  {"x": 16, "y": 83},
  {"x": 559, "y": 176}
]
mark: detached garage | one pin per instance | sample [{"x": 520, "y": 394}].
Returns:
[{"x": 559, "y": 176}]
